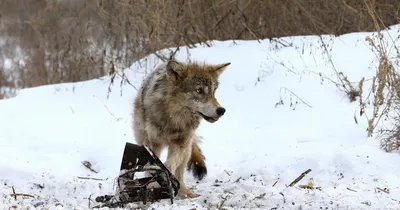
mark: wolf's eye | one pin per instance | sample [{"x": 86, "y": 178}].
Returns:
[{"x": 199, "y": 91}]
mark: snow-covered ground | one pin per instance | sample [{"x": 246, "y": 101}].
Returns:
[{"x": 281, "y": 120}]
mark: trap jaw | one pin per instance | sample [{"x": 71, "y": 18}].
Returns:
[
  {"x": 141, "y": 159},
  {"x": 160, "y": 185}
]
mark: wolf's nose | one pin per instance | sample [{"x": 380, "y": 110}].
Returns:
[{"x": 220, "y": 111}]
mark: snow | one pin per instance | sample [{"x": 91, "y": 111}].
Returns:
[
  {"x": 7, "y": 64},
  {"x": 253, "y": 153}
]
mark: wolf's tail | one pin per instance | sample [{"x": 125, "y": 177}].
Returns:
[{"x": 196, "y": 162}]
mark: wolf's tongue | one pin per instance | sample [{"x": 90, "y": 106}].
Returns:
[{"x": 215, "y": 118}]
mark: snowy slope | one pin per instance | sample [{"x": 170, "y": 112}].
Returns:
[{"x": 253, "y": 152}]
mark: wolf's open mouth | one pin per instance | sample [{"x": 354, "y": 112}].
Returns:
[{"x": 209, "y": 119}]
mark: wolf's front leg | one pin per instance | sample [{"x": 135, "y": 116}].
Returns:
[
  {"x": 156, "y": 148},
  {"x": 178, "y": 157},
  {"x": 184, "y": 192}
]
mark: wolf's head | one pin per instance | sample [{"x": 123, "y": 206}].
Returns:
[{"x": 195, "y": 86}]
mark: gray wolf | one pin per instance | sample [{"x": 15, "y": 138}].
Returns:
[{"x": 168, "y": 109}]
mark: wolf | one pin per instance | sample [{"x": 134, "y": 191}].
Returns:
[{"x": 167, "y": 110}]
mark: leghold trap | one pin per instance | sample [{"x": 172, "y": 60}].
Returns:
[{"x": 161, "y": 184}]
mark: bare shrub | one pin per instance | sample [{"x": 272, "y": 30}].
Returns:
[
  {"x": 385, "y": 85},
  {"x": 390, "y": 138},
  {"x": 7, "y": 89},
  {"x": 69, "y": 41}
]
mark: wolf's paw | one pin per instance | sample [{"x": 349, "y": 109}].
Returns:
[{"x": 186, "y": 193}]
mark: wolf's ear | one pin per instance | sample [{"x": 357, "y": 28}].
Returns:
[
  {"x": 175, "y": 70},
  {"x": 218, "y": 69}
]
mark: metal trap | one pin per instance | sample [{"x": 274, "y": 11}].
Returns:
[{"x": 161, "y": 184}]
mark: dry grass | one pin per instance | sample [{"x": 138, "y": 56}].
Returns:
[
  {"x": 385, "y": 86},
  {"x": 390, "y": 138}
]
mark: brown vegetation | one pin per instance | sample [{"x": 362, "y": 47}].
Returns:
[
  {"x": 383, "y": 96},
  {"x": 69, "y": 41}
]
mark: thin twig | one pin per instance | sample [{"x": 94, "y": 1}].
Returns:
[
  {"x": 88, "y": 165},
  {"x": 113, "y": 73},
  {"x": 284, "y": 199},
  {"x": 351, "y": 190},
  {"x": 299, "y": 178},
  {"x": 284, "y": 66},
  {"x": 260, "y": 196},
  {"x": 228, "y": 173},
  {"x": 297, "y": 97},
  {"x": 333, "y": 65},
  {"x": 161, "y": 57},
  {"x": 222, "y": 203},
  {"x": 21, "y": 194},
  {"x": 89, "y": 199},
  {"x": 238, "y": 179},
  {"x": 275, "y": 183},
  {"x": 385, "y": 190},
  {"x": 97, "y": 179},
  {"x": 15, "y": 195},
  {"x": 116, "y": 118},
  {"x": 305, "y": 186}
]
